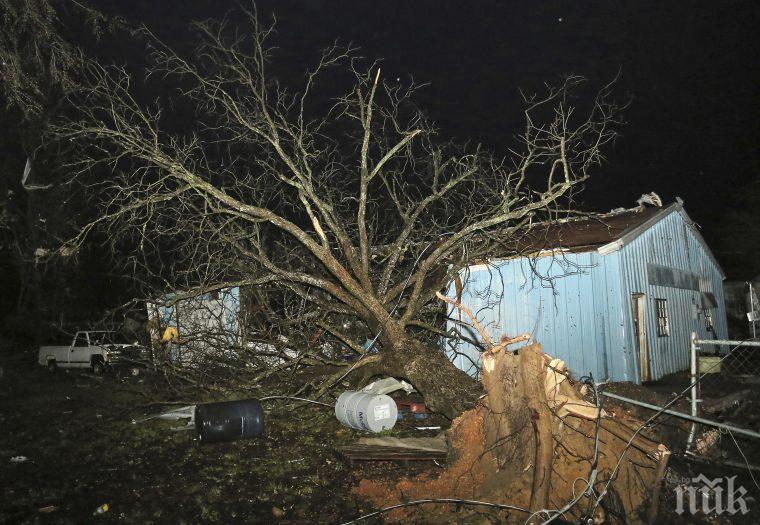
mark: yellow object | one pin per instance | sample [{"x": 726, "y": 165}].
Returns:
[
  {"x": 709, "y": 364},
  {"x": 171, "y": 335}
]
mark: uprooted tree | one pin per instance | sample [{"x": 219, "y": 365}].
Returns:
[{"x": 348, "y": 216}]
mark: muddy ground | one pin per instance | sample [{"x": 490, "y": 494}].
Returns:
[{"x": 83, "y": 451}]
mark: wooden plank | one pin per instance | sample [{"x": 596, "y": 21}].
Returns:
[{"x": 375, "y": 453}]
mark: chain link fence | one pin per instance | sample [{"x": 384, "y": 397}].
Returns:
[{"x": 727, "y": 391}]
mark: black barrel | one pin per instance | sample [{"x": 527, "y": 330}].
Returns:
[{"x": 229, "y": 420}]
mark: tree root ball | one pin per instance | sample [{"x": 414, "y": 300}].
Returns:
[{"x": 497, "y": 455}]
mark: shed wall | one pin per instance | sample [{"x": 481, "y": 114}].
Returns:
[
  {"x": 579, "y": 305},
  {"x": 569, "y": 302},
  {"x": 671, "y": 243},
  {"x": 203, "y": 322}
]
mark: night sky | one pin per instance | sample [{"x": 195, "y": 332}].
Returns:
[{"x": 689, "y": 68}]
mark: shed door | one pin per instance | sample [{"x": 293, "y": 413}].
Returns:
[{"x": 640, "y": 333}]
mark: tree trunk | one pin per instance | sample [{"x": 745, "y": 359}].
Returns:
[
  {"x": 446, "y": 389},
  {"x": 533, "y": 373}
]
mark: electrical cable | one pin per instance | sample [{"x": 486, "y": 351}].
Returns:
[
  {"x": 267, "y": 398},
  {"x": 436, "y": 500},
  {"x": 749, "y": 469}
]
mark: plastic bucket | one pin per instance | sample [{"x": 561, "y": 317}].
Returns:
[
  {"x": 362, "y": 411},
  {"x": 229, "y": 420}
]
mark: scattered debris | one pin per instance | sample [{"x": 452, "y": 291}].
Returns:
[
  {"x": 387, "y": 385},
  {"x": 278, "y": 513},
  {"x": 19, "y": 459},
  {"x": 651, "y": 199},
  {"x": 707, "y": 441},
  {"x": 222, "y": 421},
  {"x": 48, "y": 509},
  {"x": 185, "y": 412},
  {"x": 101, "y": 510},
  {"x": 417, "y": 409},
  {"x": 388, "y": 448}
]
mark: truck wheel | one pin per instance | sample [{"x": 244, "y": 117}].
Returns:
[
  {"x": 52, "y": 366},
  {"x": 98, "y": 368}
]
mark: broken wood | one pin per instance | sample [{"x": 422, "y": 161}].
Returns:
[
  {"x": 566, "y": 402},
  {"x": 435, "y": 444},
  {"x": 505, "y": 341},
  {"x": 381, "y": 453},
  {"x": 662, "y": 468},
  {"x": 533, "y": 375}
]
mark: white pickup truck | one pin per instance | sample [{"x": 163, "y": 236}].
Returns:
[{"x": 98, "y": 350}]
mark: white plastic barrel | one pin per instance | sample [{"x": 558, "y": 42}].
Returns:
[{"x": 362, "y": 411}]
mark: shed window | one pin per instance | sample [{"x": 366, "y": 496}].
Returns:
[
  {"x": 708, "y": 300},
  {"x": 663, "y": 326},
  {"x": 708, "y": 320}
]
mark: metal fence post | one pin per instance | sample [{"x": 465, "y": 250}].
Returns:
[
  {"x": 694, "y": 386},
  {"x": 752, "y": 308}
]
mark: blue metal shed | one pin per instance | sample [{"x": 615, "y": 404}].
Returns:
[
  {"x": 617, "y": 295},
  {"x": 206, "y": 320}
]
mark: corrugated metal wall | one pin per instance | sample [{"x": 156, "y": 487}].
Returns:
[
  {"x": 579, "y": 305},
  {"x": 671, "y": 243},
  {"x": 563, "y": 300},
  {"x": 206, "y": 320}
]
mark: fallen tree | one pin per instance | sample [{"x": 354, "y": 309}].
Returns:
[{"x": 345, "y": 217}]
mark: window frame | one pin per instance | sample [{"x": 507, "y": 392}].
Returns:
[
  {"x": 662, "y": 317},
  {"x": 82, "y": 337},
  {"x": 709, "y": 325}
]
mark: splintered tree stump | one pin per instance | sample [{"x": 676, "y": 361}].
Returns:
[
  {"x": 533, "y": 372},
  {"x": 519, "y": 424}
]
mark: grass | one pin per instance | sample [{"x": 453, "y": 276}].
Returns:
[{"x": 83, "y": 450}]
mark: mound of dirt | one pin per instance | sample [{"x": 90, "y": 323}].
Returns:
[{"x": 526, "y": 445}]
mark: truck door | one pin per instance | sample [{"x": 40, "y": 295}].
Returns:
[{"x": 79, "y": 354}]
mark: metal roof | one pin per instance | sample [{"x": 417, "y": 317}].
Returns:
[
  {"x": 604, "y": 233},
  {"x": 584, "y": 234}
]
